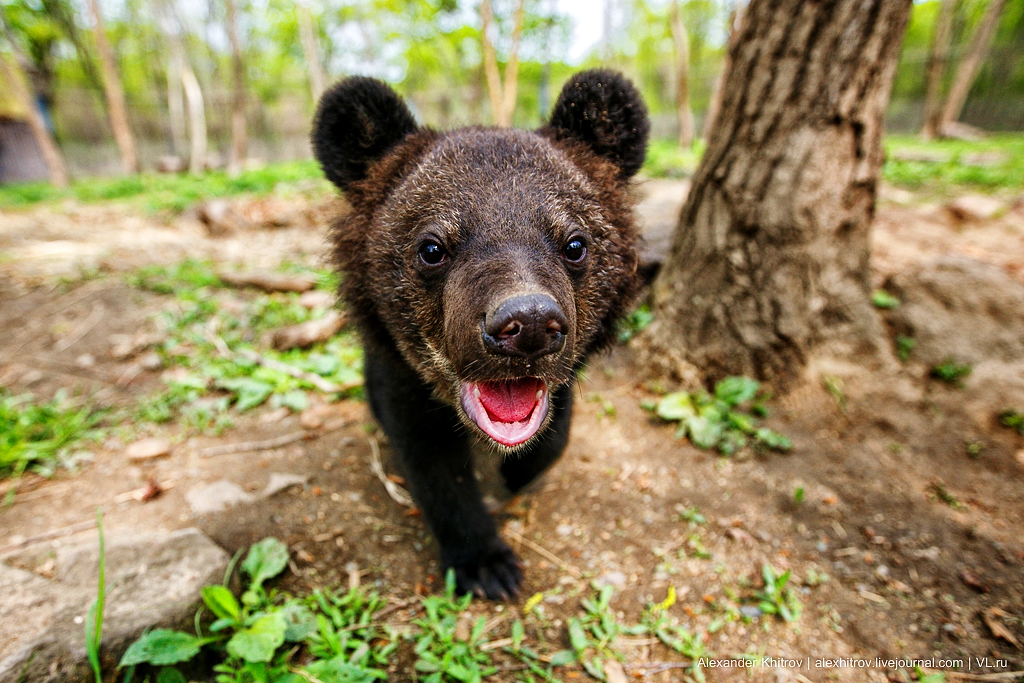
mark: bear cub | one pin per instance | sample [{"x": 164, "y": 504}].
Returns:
[{"x": 482, "y": 266}]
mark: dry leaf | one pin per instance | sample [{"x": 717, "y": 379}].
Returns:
[
  {"x": 991, "y": 617},
  {"x": 613, "y": 671}
]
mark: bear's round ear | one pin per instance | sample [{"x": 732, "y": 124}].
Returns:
[
  {"x": 603, "y": 110},
  {"x": 357, "y": 122}
]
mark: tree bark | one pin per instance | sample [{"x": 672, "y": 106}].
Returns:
[
  {"x": 196, "y": 120},
  {"x": 502, "y": 97},
  {"x": 16, "y": 82},
  {"x": 769, "y": 260},
  {"x": 115, "y": 95},
  {"x": 968, "y": 69},
  {"x": 682, "y": 44},
  {"x": 238, "y": 140},
  {"x": 938, "y": 59},
  {"x": 314, "y": 67},
  {"x": 715, "y": 104}
]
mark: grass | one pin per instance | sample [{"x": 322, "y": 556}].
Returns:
[
  {"x": 173, "y": 192},
  {"x": 953, "y": 169},
  {"x": 40, "y": 437}
]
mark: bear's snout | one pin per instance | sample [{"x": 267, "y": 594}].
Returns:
[{"x": 528, "y": 326}]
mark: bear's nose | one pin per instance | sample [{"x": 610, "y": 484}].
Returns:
[{"x": 528, "y": 326}]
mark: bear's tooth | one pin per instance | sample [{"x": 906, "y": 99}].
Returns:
[
  {"x": 476, "y": 391},
  {"x": 540, "y": 394}
]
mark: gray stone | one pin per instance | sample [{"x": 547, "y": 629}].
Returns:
[
  {"x": 215, "y": 497},
  {"x": 153, "y": 580}
]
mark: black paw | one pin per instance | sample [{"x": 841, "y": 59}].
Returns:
[{"x": 495, "y": 574}]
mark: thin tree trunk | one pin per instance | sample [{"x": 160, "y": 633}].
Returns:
[
  {"x": 115, "y": 95},
  {"x": 311, "y": 51},
  {"x": 494, "y": 92},
  {"x": 968, "y": 69},
  {"x": 196, "y": 119},
  {"x": 715, "y": 104},
  {"x": 769, "y": 261},
  {"x": 176, "y": 101},
  {"x": 16, "y": 80},
  {"x": 508, "y": 105},
  {"x": 682, "y": 42},
  {"x": 938, "y": 59},
  {"x": 238, "y": 140}
]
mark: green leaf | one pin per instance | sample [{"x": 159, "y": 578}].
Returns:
[
  {"x": 677, "y": 406},
  {"x": 162, "y": 647},
  {"x": 258, "y": 642},
  {"x": 563, "y": 658},
  {"x": 337, "y": 670},
  {"x": 704, "y": 432},
  {"x": 577, "y": 637},
  {"x": 221, "y": 602},
  {"x": 736, "y": 390},
  {"x": 883, "y": 299},
  {"x": 170, "y": 675},
  {"x": 773, "y": 439},
  {"x": 517, "y": 634},
  {"x": 251, "y": 392},
  {"x": 266, "y": 559},
  {"x": 299, "y": 621},
  {"x": 295, "y": 400}
]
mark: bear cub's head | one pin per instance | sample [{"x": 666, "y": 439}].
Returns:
[{"x": 492, "y": 260}]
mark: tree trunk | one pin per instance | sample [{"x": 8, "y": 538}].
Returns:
[
  {"x": 115, "y": 95},
  {"x": 968, "y": 69},
  {"x": 938, "y": 58},
  {"x": 16, "y": 83},
  {"x": 314, "y": 67},
  {"x": 503, "y": 97},
  {"x": 682, "y": 44},
  {"x": 196, "y": 121},
  {"x": 715, "y": 104},
  {"x": 176, "y": 101},
  {"x": 238, "y": 141},
  {"x": 769, "y": 261}
]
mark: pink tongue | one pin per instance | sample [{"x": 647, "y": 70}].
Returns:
[{"x": 510, "y": 400}]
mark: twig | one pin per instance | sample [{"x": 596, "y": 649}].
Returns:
[
  {"x": 957, "y": 675},
  {"x": 246, "y": 446},
  {"x": 298, "y": 373},
  {"x": 397, "y": 493},
  {"x": 98, "y": 309},
  {"x": 546, "y": 554},
  {"x": 495, "y": 644},
  {"x": 46, "y": 536},
  {"x": 139, "y": 493}
]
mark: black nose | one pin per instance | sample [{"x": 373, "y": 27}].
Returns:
[{"x": 528, "y": 327}]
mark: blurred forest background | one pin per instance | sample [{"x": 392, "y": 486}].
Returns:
[{"x": 194, "y": 71}]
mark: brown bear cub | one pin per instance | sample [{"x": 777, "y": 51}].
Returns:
[{"x": 482, "y": 266}]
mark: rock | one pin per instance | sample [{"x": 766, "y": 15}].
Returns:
[
  {"x": 611, "y": 579},
  {"x": 220, "y": 219},
  {"x": 153, "y": 580},
  {"x": 220, "y": 495},
  {"x": 146, "y": 449},
  {"x": 751, "y": 611},
  {"x": 151, "y": 361},
  {"x": 959, "y": 308},
  {"x": 279, "y": 481},
  {"x": 974, "y": 207},
  {"x": 86, "y": 361}
]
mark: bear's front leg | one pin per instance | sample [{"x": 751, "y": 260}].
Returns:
[{"x": 434, "y": 454}]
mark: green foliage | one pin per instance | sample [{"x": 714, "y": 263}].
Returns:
[
  {"x": 1013, "y": 419},
  {"x": 883, "y": 299},
  {"x": 956, "y": 169},
  {"x": 777, "y": 597},
  {"x": 904, "y": 347},
  {"x": 180, "y": 278},
  {"x": 94, "y": 621},
  {"x": 38, "y": 437},
  {"x": 666, "y": 159},
  {"x": 592, "y": 635},
  {"x": 952, "y": 372},
  {"x": 635, "y": 323},
  {"x": 725, "y": 421},
  {"x": 441, "y": 655},
  {"x": 690, "y": 645}
]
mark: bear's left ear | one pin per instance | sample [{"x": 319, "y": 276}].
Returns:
[
  {"x": 357, "y": 122},
  {"x": 603, "y": 110}
]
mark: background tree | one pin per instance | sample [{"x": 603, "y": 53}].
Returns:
[
  {"x": 682, "y": 44},
  {"x": 115, "y": 94},
  {"x": 938, "y": 58},
  {"x": 502, "y": 92},
  {"x": 311, "y": 51},
  {"x": 769, "y": 260},
  {"x": 238, "y": 98}
]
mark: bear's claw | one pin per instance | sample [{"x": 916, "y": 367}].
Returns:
[{"x": 497, "y": 576}]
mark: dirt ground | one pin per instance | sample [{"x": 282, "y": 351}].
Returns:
[{"x": 921, "y": 538}]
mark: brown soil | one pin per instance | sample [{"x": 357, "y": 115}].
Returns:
[{"x": 920, "y": 538}]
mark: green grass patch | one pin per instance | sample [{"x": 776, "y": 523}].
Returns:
[
  {"x": 666, "y": 159},
  {"x": 1012, "y": 419},
  {"x": 40, "y": 437},
  {"x": 727, "y": 420},
  {"x": 952, "y": 372},
  {"x": 173, "y": 192},
  {"x": 949, "y": 166}
]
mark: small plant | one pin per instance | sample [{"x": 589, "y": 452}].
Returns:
[
  {"x": 635, "y": 323},
  {"x": 777, "y": 597},
  {"x": 94, "y": 621},
  {"x": 798, "y": 495},
  {"x": 1013, "y": 420},
  {"x": 725, "y": 421},
  {"x": 657, "y": 622},
  {"x": 943, "y": 494},
  {"x": 441, "y": 655},
  {"x": 691, "y": 514},
  {"x": 38, "y": 437},
  {"x": 904, "y": 347},
  {"x": 884, "y": 300},
  {"x": 952, "y": 372},
  {"x": 593, "y": 635}
]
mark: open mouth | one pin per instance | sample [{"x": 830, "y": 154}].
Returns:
[{"x": 510, "y": 411}]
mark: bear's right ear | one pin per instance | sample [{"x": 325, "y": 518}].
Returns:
[{"x": 357, "y": 122}]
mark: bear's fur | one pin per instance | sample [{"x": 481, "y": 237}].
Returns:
[{"x": 482, "y": 267}]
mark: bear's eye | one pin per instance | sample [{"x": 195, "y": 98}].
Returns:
[
  {"x": 575, "y": 250},
  {"x": 432, "y": 253}
]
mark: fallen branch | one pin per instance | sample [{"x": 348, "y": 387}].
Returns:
[
  {"x": 247, "y": 446},
  {"x": 308, "y": 333},
  {"x": 397, "y": 493},
  {"x": 270, "y": 282},
  {"x": 546, "y": 554}
]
